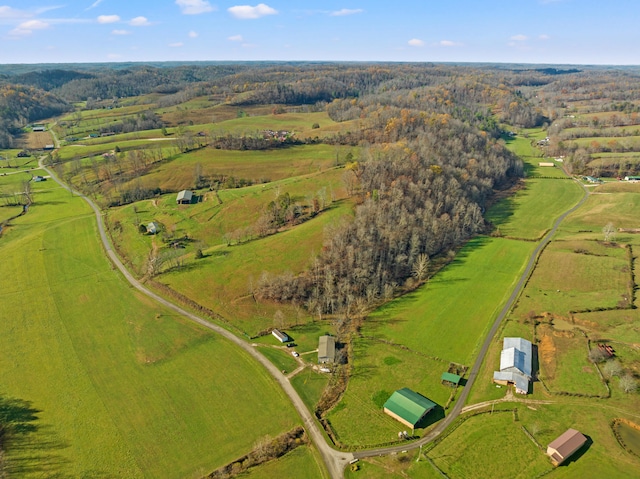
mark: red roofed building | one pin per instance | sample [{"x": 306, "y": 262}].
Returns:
[{"x": 563, "y": 447}]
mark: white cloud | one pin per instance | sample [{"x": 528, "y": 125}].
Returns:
[
  {"x": 346, "y": 11},
  {"x": 416, "y": 42},
  {"x": 449, "y": 43},
  {"x": 94, "y": 4},
  {"x": 176, "y": 45},
  {"x": 194, "y": 7},
  {"x": 247, "y": 12},
  {"x": 121, "y": 32},
  {"x": 108, "y": 19},
  {"x": 235, "y": 38},
  {"x": 544, "y": 37},
  {"x": 193, "y": 34},
  {"x": 8, "y": 12},
  {"x": 139, "y": 22},
  {"x": 27, "y": 28},
  {"x": 519, "y": 38}
]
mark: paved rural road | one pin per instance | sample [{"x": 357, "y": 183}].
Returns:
[
  {"x": 457, "y": 408},
  {"x": 335, "y": 460}
]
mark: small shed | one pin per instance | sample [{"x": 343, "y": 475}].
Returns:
[
  {"x": 326, "y": 349},
  {"x": 450, "y": 379},
  {"x": 184, "y": 197},
  {"x": 564, "y": 446},
  {"x": 38, "y": 178},
  {"x": 153, "y": 228},
  {"x": 280, "y": 336},
  {"x": 408, "y": 407},
  {"x": 38, "y": 128}
]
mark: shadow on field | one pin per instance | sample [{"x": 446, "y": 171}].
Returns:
[
  {"x": 435, "y": 415},
  {"x": 579, "y": 453},
  {"x": 29, "y": 447}
]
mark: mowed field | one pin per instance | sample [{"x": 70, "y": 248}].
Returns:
[{"x": 123, "y": 387}]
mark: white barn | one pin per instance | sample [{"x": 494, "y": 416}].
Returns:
[{"x": 515, "y": 364}]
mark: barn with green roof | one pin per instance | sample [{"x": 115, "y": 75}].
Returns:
[{"x": 408, "y": 407}]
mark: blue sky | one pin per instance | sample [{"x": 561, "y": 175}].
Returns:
[{"x": 522, "y": 31}]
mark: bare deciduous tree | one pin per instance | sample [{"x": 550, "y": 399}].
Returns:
[
  {"x": 609, "y": 232},
  {"x": 628, "y": 383}
]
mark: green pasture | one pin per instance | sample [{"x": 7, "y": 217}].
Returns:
[
  {"x": 519, "y": 216},
  {"x": 208, "y": 221},
  {"x": 627, "y": 142},
  {"x": 76, "y": 151},
  {"x": 488, "y": 446},
  {"x": 112, "y": 372},
  {"x": 587, "y": 132},
  {"x": 494, "y": 445},
  {"x": 298, "y": 123},
  {"x": 620, "y": 324},
  {"x": 303, "y": 463},
  {"x": 281, "y": 358},
  {"x": 310, "y": 386},
  {"x": 257, "y": 166},
  {"x": 223, "y": 279},
  {"x": 450, "y": 315},
  {"x": 564, "y": 363},
  {"x": 304, "y": 336},
  {"x": 379, "y": 369},
  {"x": 575, "y": 276}
]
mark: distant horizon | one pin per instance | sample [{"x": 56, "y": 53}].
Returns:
[
  {"x": 382, "y": 62},
  {"x": 545, "y": 32}
]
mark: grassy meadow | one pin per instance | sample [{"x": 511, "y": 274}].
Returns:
[
  {"x": 303, "y": 463},
  {"x": 109, "y": 371}
]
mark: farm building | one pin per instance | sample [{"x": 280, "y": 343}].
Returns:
[
  {"x": 564, "y": 446},
  {"x": 408, "y": 407},
  {"x": 38, "y": 128},
  {"x": 547, "y": 164},
  {"x": 632, "y": 178},
  {"x": 280, "y": 336},
  {"x": 38, "y": 178},
  {"x": 450, "y": 379},
  {"x": 184, "y": 197},
  {"x": 326, "y": 349},
  {"x": 515, "y": 364},
  {"x": 153, "y": 228}
]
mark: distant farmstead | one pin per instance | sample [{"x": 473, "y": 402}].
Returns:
[
  {"x": 184, "y": 197},
  {"x": 326, "y": 349},
  {"x": 280, "y": 336},
  {"x": 408, "y": 407},
  {"x": 515, "y": 364},
  {"x": 567, "y": 444}
]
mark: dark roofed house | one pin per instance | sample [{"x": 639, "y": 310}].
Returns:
[
  {"x": 326, "y": 349},
  {"x": 408, "y": 407},
  {"x": 184, "y": 197},
  {"x": 564, "y": 446}
]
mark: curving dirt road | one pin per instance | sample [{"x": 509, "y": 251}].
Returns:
[{"x": 334, "y": 460}]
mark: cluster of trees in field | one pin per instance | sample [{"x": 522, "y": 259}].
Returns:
[{"x": 418, "y": 198}]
